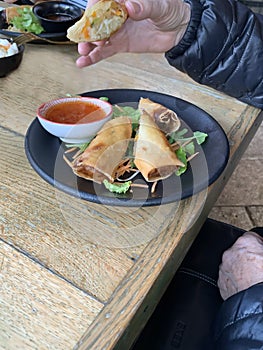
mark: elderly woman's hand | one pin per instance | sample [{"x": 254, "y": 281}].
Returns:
[
  {"x": 242, "y": 265},
  {"x": 152, "y": 26}
]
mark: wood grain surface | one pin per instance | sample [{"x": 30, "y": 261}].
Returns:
[{"x": 81, "y": 275}]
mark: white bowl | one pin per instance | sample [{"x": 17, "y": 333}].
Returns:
[{"x": 73, "y": 131}]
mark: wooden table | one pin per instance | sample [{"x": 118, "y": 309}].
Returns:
[{"x": 75, "y": 274}]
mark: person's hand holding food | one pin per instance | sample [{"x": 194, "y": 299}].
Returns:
[
  {"x": 9, "y": 1},
  {"x": 151, "y": 26},
  {"x": 242, "y": 265}
]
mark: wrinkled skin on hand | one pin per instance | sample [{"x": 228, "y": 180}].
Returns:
[
  {"x": 152, "y": 26},
  {"x": 242, "y": 265}
]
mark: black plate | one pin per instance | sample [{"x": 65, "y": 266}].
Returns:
[{"x": 45, "y": 154}]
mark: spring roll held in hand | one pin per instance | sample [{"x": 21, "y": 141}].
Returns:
[
  {"x": 105, "y": 152},
  {"x": 98, "y": 22},
  {"x": 153, "y": 155},
  {"x": 151, "y": 26}
]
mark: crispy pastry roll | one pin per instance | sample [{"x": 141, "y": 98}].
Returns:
[
  {"x": 153, "y": 155},
  {"x": 166, "y": 119},
  {"x": 103, "y": 155},
  {"x": 98, "y": 22}
]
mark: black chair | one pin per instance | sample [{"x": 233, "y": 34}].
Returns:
[{"x": 183, "y": 319}]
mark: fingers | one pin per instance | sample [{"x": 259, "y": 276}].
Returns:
[
  {"x": 83, "y": 61},
  {"x": 135, "y": 10},
  {"x": 152, "y": 20},
  {"x": 167, "y": 15},
  {"x": 85, "y": 48},
  {"x": 140, "y": 9},
  {"x": 95, "y": 55}
]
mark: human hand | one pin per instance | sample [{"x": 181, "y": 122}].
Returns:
[
  {"x": 152, "y": 26},
  {"x": 9, "y": 1},
  {"x": 242, "y": 265}
]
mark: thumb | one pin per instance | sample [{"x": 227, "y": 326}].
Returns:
[
  {"x": 167, "y": 15},
  {"x": 138, "y": 10}
]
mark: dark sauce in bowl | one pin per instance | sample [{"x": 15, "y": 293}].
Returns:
[{"x": 58, "y": 17}]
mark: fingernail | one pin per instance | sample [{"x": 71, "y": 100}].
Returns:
[{"x": 133, "y": 6}]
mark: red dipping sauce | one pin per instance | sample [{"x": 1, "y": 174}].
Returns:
[{"x": 75, "y": 112}]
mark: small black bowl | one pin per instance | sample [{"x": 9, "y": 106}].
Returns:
[
  {"x": 10, "y": 63},
  {"x": 57, "y": 16}
]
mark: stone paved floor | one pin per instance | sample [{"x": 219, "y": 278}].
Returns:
[{"x": 241, "y": 202}]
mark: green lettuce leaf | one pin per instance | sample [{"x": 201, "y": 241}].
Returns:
[
  {"x": 117, "y": 187},
  {"x": 181, "y": 155},
  {"x": 200, "y": 137},
  {"x": 189, "y": 148},
  {"x": 132, "y": 113},
  {"x": 26, "y": 21}
]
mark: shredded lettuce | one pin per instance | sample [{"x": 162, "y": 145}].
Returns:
[{"x": 117, "y": 187}]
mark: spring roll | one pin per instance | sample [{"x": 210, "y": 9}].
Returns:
[
  {"x": 98, "y": 22},
  {"x": 103, "y": 155},
  {"x": 166, "y": 119},
  {"x": 153, "y": 155}
]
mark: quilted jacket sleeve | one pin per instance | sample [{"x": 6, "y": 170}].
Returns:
[
  {"x": 239, "y": 325},
  {"x": 223, "y": 48}
]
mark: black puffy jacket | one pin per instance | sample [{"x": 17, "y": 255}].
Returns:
[
  {"x": 223, "y": 48},
  {"x": 239, "y": 323}
]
